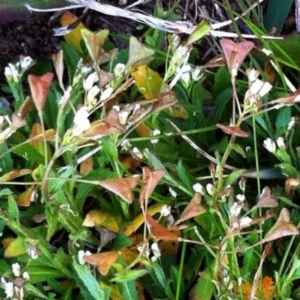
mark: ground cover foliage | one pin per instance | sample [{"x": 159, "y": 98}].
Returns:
[{"x": 148, "y": 172}]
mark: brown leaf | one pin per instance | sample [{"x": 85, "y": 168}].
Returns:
[
  {"x": 24, "y": 199},
  {"x": 121, "y": 186},
  {"x": 103, "y": 260},
  {"x": 233, "y": 130},
  {"x": 94, "y": 42},
  {"x": 159, "y": 232},
  {"x": 193, "y": 209},
  {"x": 58, "y": 62},
  {"x": 109, "y": 125},
  {"x": 15, "y": 174},
  {"x": 86, "y": 166},
  {"x": 25, "y": 108},
  {"x": 266, "y": 199},
  {"x": 150, "y": 181},
  {"x": 282, "y": 227},
  {"x": 290, "y": 185},
  {"x": 235, "y": 54},
  {"x": 39, "y": 87}
]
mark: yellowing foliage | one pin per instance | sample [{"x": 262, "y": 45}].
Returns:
[{"x": 74, "y": 37}]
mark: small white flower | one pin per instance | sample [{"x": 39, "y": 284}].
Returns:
[
  {"x": 242, "y": 185},
  {"x": 198, "y": 188},
  {"x": 210, "y": 189},
  {"x": 92, "y": 93},
  {"x": 8, "y": 288},
  {"x": 256, "y": 86},
  {"x": 16, "y": 269},
  {"x": 26, "y": 275},
  {"x": 123, "y": 116},
  {"x": 119, "y": 70},
  {"x": 291, "y": 123},
  {"x": 245, "y": 221},
  {"x": 252, "y": 74},
  {"x": 266, "y": 51},
  {"x": 236, "y": 208},
  {"x": 65, "y": 97},
  {"x": 106, "y": 93},
  {"x": 32, "y": 252},
  {"x": 280, "y": 142},
  {"x": 265, "y": 89},
  {"x": 145, "y": 252},
  {"x": 25, "y": 63},
  {"x": 240, "y": 281},
  {"x": 156, "y": 252},
  {"x": 11, "y": 73},
  {"x": 165, "y": 210},
  {"x": 240, "y": 197},
  {"x": 136, "y": 108},
  {"x": 270, "y": 145},
  {"x": 172, "y": 192},
  {"x": 185, "y": 75},
  {"x": 155, "y": 132},
  {"x": 137, "y": 153},
  {"x": 81, "y": 121},
  {"x": 197, "y": 74},
  {"x": 125, "y": 145},
  {"x": 90, "y": 81},
  {"x": 81, "y": 254},
  {"x": 19, "y": 292},
  {"x": 116, "y": 107}
]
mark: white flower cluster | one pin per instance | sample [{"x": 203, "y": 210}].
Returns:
[
  {"x": 235, "y": 210},
  {"x": 11, "y": 290},
  {"x": 270, "y": 145},
  {"x": 257, "y": 89},
  {"x": 14, "y": 72},
  {"x": 148, "y": 250}
]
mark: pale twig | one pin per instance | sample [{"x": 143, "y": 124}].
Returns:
[{"x": 163, "y": 25}]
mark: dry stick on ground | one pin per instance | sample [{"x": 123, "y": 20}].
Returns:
[{"x": 164, "y": 25}]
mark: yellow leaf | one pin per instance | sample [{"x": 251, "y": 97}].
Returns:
[
  {"x": 138, "y": 221},
  {"x": 17, "y": 247},
  {"x": 74, "y": 37},
  {"x": 148, "y": 81},
  {"x": 99, "y": 218}
]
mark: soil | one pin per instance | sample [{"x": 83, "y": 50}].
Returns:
[{"x": 34, "y": 36}]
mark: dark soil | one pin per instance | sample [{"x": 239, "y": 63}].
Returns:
[{"x": 34, "y": 35}]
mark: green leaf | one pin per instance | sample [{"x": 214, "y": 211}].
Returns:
[
  {"x": 5, "y": 192},
  {"x": 13, "y": 209},
  {"x": 182, "y": 173},
  {"x": 283, "y": 118},
  {"x": 283, "y": 156},
  {"x": 71, "y": 57},
  {"x": 39, "y": 273},
  {"x": 233, "y": 177},
  {"x": 121, "y": 241},
  {"x": 128, "y": 290},
  {"x": 129, "y": 275},
  {"x": 6, "y": 162},
  {"x": 88, "y": 283},
  {"x": 158, "y": 274},
  {"x": 30, "y": 153},
  {"x": 204, "y": 288},
  {"x": 32, "y": 290},
  {"x": 200, "y": 31},
  {"x": 288, "y": 170},
  {"x": 276, "y": 14}
]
